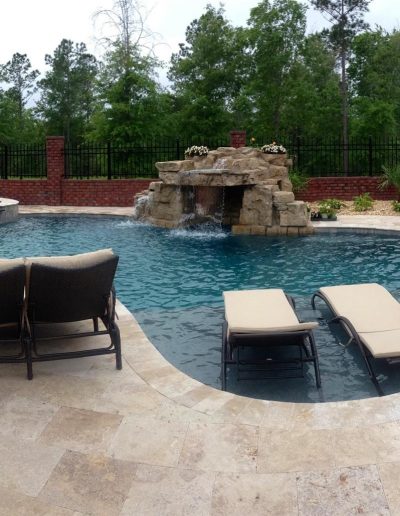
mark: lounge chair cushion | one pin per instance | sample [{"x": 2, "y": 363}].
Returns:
[
  {"x": 368, "y": 306},
  {"x": 7, "y": 264},
  {"x": 261, "y": 311},
  {"x": 382, "y": 344},
  {"x": 68, "y": 262},
  {"x": 71, "y": 262}
]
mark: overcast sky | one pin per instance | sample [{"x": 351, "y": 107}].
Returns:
[{"x": 36, "y": 27}]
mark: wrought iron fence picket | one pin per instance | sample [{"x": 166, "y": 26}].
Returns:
[
  {"x": 312, "y": 156},
  {"x": 23, "y": 161}
]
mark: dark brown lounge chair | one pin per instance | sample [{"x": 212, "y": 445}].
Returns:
[
  {"x": 12, "y": 284},
  {"x": 71, "y": 289}
]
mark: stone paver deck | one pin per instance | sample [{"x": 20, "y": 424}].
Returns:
[{"x": 83, "y": 438}]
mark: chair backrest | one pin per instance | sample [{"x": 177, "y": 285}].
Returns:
[
  {"x": 12, "y": 283},
  {"x": 75, "y": 288}
]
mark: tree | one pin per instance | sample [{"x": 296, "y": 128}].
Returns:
[
  {"x": 313, "y": 104},
  {"x": 206, "y": 75},
  {"x": 346, "y": 17},
  {"x": 19, "y": 75},
  {"x": 130, "y": 103},
  {"x": 374, "y": 76},
  {"x": 276, "y": 33},
  {"x": 67, "y": 90},
  {"x": 125, "y": 24}
]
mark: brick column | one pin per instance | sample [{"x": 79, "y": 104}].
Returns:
[
  {"x": 238, "y": 139},
  {"x": 55, "y": 168}
]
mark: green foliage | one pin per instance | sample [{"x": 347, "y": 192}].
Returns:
[
  {"x": 363, "y": 202},
  {"x": 326, "y": 208},
  {"x": 396, "y": 206},
  {"x": 19, "y": 75},
  {"x": 374, "y": 74},
  {"x": 346, "y": 18},
  {"x": 269, "y": 77},
  {"x": 298, "y": 179},
  {"x": 67, "y": 93},
  {"x": 131, "y": 107},
  {"x": 391, "y": 176},
  {"x": 334, "y": 203},
  {"x": 275, "y": 35},
  {"x": 206, "y": 74}
]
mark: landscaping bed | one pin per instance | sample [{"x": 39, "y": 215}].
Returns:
[{"x": 379, "y": 208}]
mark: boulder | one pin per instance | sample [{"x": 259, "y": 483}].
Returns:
[
  {"x": 175, "y": 166},
  {"x": 296, "y": 214}
]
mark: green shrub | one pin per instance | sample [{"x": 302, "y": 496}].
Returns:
[
  {"x": 363, "y": 202},
  {"x": 325, "y": 208},
  {"x": 298, "y": 179},
  {"x": 335, "y": 204},
  {"x": 396, "y": 205},
  {"x": 391, "y": 176}
]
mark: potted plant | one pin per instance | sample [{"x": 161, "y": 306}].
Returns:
[{"x": 327, "y": 211}]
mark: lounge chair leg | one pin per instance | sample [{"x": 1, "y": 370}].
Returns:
[
  {"x": 223, "y": 356},
  {"x": 95, "y": 324},
  {"x": 116, "y": 340},
  {"x": 316, "y": 361},
  {"x": 370, "y": 370},
  {"x": 28, "y": 350}
]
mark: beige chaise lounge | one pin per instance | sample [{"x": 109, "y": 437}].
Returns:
[
  {"x": 371, "y": 317},
  {"x": 265, "y": 318}
]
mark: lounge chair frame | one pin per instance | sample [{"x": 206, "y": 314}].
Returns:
[
  {"x": 232, "y": 342},
  {"x": 107, "y": 318},
  {"x": 351, "y": 331},
  {"x": 13, "y": 281}
]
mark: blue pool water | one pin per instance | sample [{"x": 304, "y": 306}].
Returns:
[{"x": 173, "y": 281}]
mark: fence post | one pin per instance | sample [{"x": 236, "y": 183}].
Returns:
[
  {"x": 109, "y": 161},
  {"x": 370, "y": 156},
  {"x": 238, "y": 139},
  {"x": 178, "y": 149},
  {"x": 5, "y": 162},
  {"x": 55, "y": 168}
]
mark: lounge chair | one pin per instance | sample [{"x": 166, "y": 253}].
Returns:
[
  {"x": 71, "y": 289},
  {"x": 12, "y": 284},
  {"x": 265, "y": 318},
  {"x": 370, "y": 316}
]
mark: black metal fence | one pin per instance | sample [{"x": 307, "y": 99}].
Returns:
[
  {"x": 96, "y": 160},
  {"x": 23, "y": 161},
  {"x": 318, "y": 157},
  {"x": 313, "y": 157}
]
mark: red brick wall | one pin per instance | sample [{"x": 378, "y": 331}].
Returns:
[
  {"x": 344, "y": 188},
  {"x": 238, "y": 139},
  {"x": 27, "y": 192},
  {"x": 118, "y": 192}
]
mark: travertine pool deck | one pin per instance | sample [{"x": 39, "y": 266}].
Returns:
[{"x": 84, "y": 438}]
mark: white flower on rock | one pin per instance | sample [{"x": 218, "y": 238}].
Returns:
[
  {"x": 196, "y": 150},
  {"x": 273, "y": 148}
]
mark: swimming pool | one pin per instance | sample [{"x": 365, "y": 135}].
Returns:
[{"x": 173, "y": 280}]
